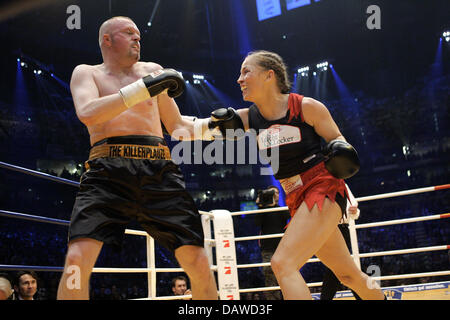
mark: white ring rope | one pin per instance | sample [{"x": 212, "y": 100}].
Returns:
[
  {"x": 401, "y": 221},
  {"x": 151, "y": 270},
  {"x": 211, "y": 242}
]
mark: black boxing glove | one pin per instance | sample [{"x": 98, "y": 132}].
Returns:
[
  {"x": 217, "y": 125},
  {"x": 342, "y": 160},
  {"x": 226, "y": 119},
  {"x": 152, "y": 85}
]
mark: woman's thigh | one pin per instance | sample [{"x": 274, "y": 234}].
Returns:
[
  {"x": 307, "y": 232},
  {"x": 336, "y": 256}
]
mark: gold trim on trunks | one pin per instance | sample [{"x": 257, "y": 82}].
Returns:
[{"x": 130, "y": 151}]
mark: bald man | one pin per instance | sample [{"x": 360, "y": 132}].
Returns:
[
  {"x": 5, "y": 287},
  {"x": 130, "y": 175}
]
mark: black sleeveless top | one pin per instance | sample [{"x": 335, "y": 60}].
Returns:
[{"x": 296, "y": 142}]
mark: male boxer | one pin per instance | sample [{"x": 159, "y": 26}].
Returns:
[{"x": 129, "y": 173}]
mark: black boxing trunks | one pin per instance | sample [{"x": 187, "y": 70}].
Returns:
[{"x": 132, "y": 178}]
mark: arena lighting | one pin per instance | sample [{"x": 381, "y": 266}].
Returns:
[
  {"x": 446, "y": 36},
  {"x": 198, "y": 78},
  {"x": 40, "y": 69},
  {"x": 149, "y": 23},
  {"x": 303, "y": 69},
  {"x": 323, "y": 66},
  {"x": 37, "y": 67}
]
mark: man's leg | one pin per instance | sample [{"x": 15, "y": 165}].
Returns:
[
  {"x": 80, "y": 260},
  {"x": 194, "y": 261}
]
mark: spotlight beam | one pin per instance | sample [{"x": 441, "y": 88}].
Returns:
[{"x": 149, "y": 23}]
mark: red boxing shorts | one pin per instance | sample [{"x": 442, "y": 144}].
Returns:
[{"x": 311, "y": 187}]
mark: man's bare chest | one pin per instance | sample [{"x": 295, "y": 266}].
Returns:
[{"x": 109, "y": 84}]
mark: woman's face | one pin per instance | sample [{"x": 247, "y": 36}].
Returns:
[{"x": 251, "y": 79}]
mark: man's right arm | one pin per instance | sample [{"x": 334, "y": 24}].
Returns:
[{"x": 92, "y": 109}]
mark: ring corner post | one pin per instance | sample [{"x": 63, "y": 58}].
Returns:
[{"x": 227, "y": 272}]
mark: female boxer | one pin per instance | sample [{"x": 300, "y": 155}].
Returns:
[{"x": 311, "y": 176}]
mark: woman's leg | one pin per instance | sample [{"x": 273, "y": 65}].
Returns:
[
  {"x": 305, "y": 235},
  {"x": 336, "y": 256}
]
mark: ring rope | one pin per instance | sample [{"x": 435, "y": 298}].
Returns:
[
  {"x": 403, "y": 251},
  {"x": 401, "y": 221},
  {"x": 362, "y": 255},
  {"x": 361, "y": 199},
  {"x": 38, "y": 174},
  {"x": 152, "y": 271},
  {"x": 30, "y": 217},
  {"x": 143, "y": 233},
  {"x": 393, "y": 277},
  {"x": 403, "y": 193},
  {"x": 359, "y": 226}
]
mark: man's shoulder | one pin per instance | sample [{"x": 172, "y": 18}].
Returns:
[
  {"x": 85, "y": 69},
  {"x": 148, "y": 66}
]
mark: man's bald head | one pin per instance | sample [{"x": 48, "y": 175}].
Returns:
[
  {"x": 107, "y": 26},
  {"x": 5, "y": 288}
]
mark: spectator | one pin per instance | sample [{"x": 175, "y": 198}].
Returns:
[
  {"x": 25, "y": 285},
  {"x": 179, "y": 287},
  {"x": 5, "y": 287}
]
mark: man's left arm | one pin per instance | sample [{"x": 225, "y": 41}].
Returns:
[{"x": 178, "y": 126}]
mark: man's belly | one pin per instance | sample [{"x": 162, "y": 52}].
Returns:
[{"x": 127, "y": 124}]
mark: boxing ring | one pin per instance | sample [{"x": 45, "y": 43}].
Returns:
[{"x": 219, "y": 237}]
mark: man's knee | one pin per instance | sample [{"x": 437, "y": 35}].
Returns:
[
  {"x": 194, "y": 259},
  {"x": 81, "y": 256},
  {"x": 200, "y": 261},
  {"x": 74, "y": 257}
]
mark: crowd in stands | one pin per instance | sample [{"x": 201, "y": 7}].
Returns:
[{"x": 403, "y": 144}]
